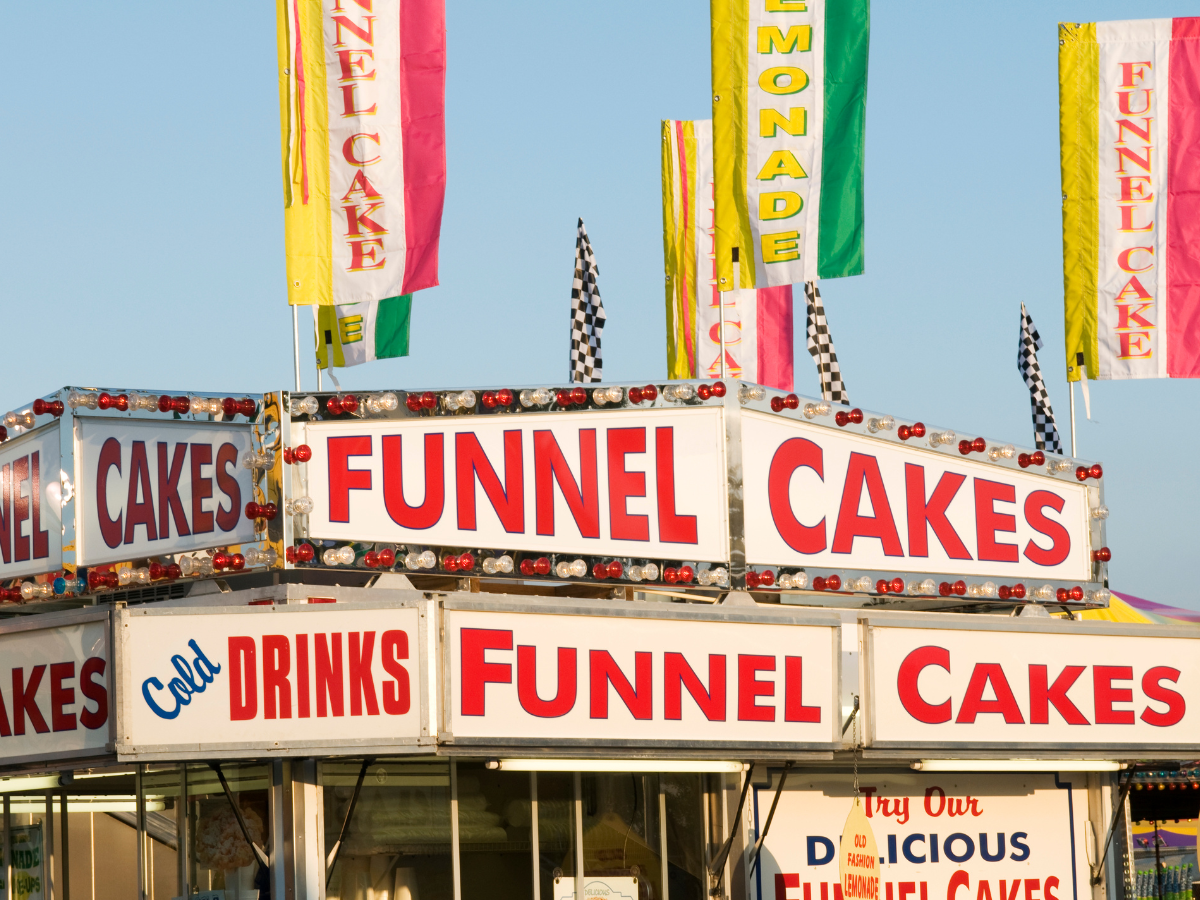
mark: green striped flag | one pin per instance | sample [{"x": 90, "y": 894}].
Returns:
[
  {"x": 789, "y": 107},
  {"x": 355, "y": 333}
]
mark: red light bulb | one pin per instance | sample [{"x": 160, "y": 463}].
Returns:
[
  {"x": 600, "y": 571},
  {"x": 650, "y": 393},
  {"x": 247, "y": 407},
  {"x": 488, "y": 399},
  {"x": 1081, "y": 473},
  {"x": 904, "y": 432},
  {"x": 1076, "y": 593},
  {"x": 220, "y": 560},
  {"x": 979, "y": 445},
  {"x": 1038, "y": 458},
  {"x": 181, "y": 405},
  {"x": 752, "y": 579},
  {"x": 897, "y": 585},
  {"x": 237, "y": 562},
  {"x": 173, "y": 572},
  {"x": 833, "y": 583},
  {"x": 270, "y": 511},
  {"x": 527, "y": 567},
  {"x": 289, "y": 456},
  {"x": 371, "y": 559},
  {"x": 450, "y": 563},
  {"x": 56, "y": 408},
  {"x": 777, "y": 405},
  {"x": 578, "y": 396},
  {"x": 413, "y": 402},
  {"x": 818, "y": 583},
  {"x": 164, "y": 404},
  {"x": 157, "y": 571},
  {"x": 881, "y": 586},
  {"x": 253, "y": 510},
  {"x": 229, "y": 406},
  {"x": 767, "y": 578},
  {"x": 466, "y": 562},
  {"x": 791, "y": 401},
  {"x": 290, "y": 554},
  {"x": 635, "y": 395},
  {"x": 718, "y": 389},
  {"x": 918, "y": 429},
  {"x": 1018, "y": 591},
  {"x": 350, "y": 403},
  {"x": 1004, "y": 592},
  {"x": 1024, "y": 461},
  {"x": 960, "y": 588},
  {"x": 562, "y": 398},
  {"x": 305, "y": 553},
  {"x": 505, "y": 397},
  {"x": 302, "y": 454},
  {"x": 856, "y": 416},
  {"x": 334, "y": 406},
  {"x": 1102, "y": 555},
  {"x": 387, "y": 557},
  {"x": 964, "y": 447},
  {"x": 1061, "y": 595},
  {"x": 945, "y": 589},
  {"x": 703, "y": 391},
  {"x": 842, "y": 418},
  {"x": 670, "y": 575},
  {"x": 104, "y": 401},
  {"x": 1096, "y": 471},
  {"x": 615, "y": 569},
  {"x": 429, "y": 400},
  {"x": 686, "y": 574},
  {"x": 542, "y": 566}
]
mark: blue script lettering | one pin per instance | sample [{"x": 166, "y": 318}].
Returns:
[{"x": 192, "y": 678}]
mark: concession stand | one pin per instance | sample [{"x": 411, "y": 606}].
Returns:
[{"x": 641, "y": 642}]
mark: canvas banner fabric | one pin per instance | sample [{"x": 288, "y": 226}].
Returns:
[
  {"x": 356, "y": 333},
  {"x": 789, "y": 82},
  {"x": 1130, "y": 133},
  {"x": 362, "y": 109},
  {"x": 757, "y": 323}
]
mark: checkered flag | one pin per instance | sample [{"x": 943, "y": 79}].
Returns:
[
  {"x": 1045, "y": 431},
  {"x": 587, "y": 314},
  {"x": 820, "y": 345}
]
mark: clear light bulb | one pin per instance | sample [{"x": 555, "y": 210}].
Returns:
[
  {"x": 542, "y": 396},
  {"x": 302, "y": 506},
  {"x": 330, "y": 557},
  {"x": 505, "y": 564},
  {"x": 887, "y": 423},
  {"x": 142, "y": 575},
  {"x": 187, "y": 565},
  {"x": 812, "y": 410},
  {"x": 1100, "y": 512},
  {"x": 489, "y": 566},
  {"x": 124, "y": 575},
  {"x": 28, "y": 589},
  {"x": 1045, "y": 592},
  {"x": 526, "y": 398},
  {"x": 578, "y": 568},
  {"x": 634, "y": 573},
  {"x": 345, "y": 555},
  {"x": 75, "y": 399},
  {"x": 748, "y": 392},
  {"x": 563, "y": 570},
  {"x": 389, "y": 402},
  {"x": 987, "y": 589},
  {"x": 928, "y": 586},
  {"x": 649, "y": 571},
  {"x": 413, "y": 561},
  {"x": 466, "y": 400},
  {"x": 428, "y": 559}
]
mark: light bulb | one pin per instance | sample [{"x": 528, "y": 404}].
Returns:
[
  {"x": 563, "y": 570},
  {"x": 413, "y": 561},
  {"x": 1100, "y": 595},
  {"x": 936, "y": 438},
  {"x": 489, "y": 565},
  {"x": 1100, "y": 512},
  {"x": 812, "y": 410},
  {"x": 679, "y": 392},
  {"x": 1045, "y": 592},
  {"x": 887, "y": 423},
  {"x": 301, "y": 506},
  {"x": 634, "y": 573},
  {"x": 124, "y": 575},
  {"x": 748, "y": 392},
  {"x": 345, "y": 555},
  {"x": 28, "y": 590},
  {"x": 928, "y": 586},
  {"x": 142, "y": 575},
  {"x": 987, "y": 589},
  {"x": 1059, "y": 465},
  {"x": 330, "y": 557},
  {"x": 427, "y": 560},
  {"x": 784, "y": 582},
  {"x": 505, "y": 564},
  {"x": 859, "y": 585},
  {"x": 650, "y": 572}
]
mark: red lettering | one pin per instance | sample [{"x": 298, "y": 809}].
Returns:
[
  {"x": 923, "y": 515},
  {"x": 794, "y": 454},
  {"x": 605, "y": 671},
  {"x": 564, "y": 697},
  {"x": 362, "y": 185},
  {"x": 351, "y": 60},
  {"x": 357, "y": 222},
  {"x": 21, "y": 509},
  {"x": 472, "y": 463},
  {"x": 1143, "y": 133},
  {"x": 677, "y": 674},
  {"x": 343, "y": 479},
  {"x": 1051, "y": 882},
  {"x": 957, "y": 880},
  {"x": 1129, "y": 317},
  {"x": 202, "y": 521},
  {"x": 1127, "y": 224},
  {"x": 1032, "y": 886},
  {"x": 929, "y": 796},
  {"x": 794, "y": 709},
  {"x": 6, "y": 520},
  {"x": 1106, "y": 695},
  {"x": 111, "y": 529},
  {"x": 672, "y": 527},
  {"x": 477, "y": 672},
  {"x": 1125, "y": 105},
  {"x": 549, "y": 466},
  {"x": 96, "y": 691},
  {"x": 910, "y": 695},
  {"x": 362, "y": 683},
  {"x": 25, "y": 700},
  {"x": 973, "y": 703},
  {"x": 1060, "y": 538},
  {"x": 864, "y": 469},
  {"x": 228, "y": 518},
  {"x": 429, "y": 513},
  {"x": 785, "y": 881},
  {"x": 170, "y": 506},
  {"x": 363, "y": 252},
  {"x": 348, "y": 154},
  {"x": 243, "y": 678},
  {"x": 139, "y": 512},
  {"x": 750, "y": 688},
  {"x": 1133, "y": 190},
  {"x": 988, "y": 521},
  {"x": 397, "y": 694},
  {"x": 331, "y": 693},
  {"x": 1042, "y": 697},
  {"x": 303, "y": 708},
  {"x": 1134, "y": 70},
  {"x": 61, "y": 697},
  {"x": 364, "y": 34},
  {"x": 1152, "y": 688},
  {"x": 277, "y": 665},
  {"x": 1134, "y": 345},
  {"x": 1125, "y": 262},
  {"x": 623, "y": 484}
]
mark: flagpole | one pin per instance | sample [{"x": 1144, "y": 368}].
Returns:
[
  {"x": 296, "y": 344},
  {"x": 1071, "y": 389}
]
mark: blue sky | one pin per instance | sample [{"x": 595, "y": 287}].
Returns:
[{"x": 154, "y": 258}]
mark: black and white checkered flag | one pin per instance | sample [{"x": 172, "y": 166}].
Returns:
[
  {"x": 820, "y": 345},
  {"x": 587, "y": 314},
  {"x": 1045, "y": 431}
]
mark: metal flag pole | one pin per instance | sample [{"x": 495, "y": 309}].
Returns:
[
  {"x": 1071, "y": 390},
  {"x": 296, "y": 343}
]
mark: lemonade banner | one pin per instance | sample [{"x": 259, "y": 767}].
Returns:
[
  {"x": 362, "y": 109},
  {"x": 1130, "y": 135},
  {"x": 789, "y": 82},
  {"x": 757, "y": 323}
]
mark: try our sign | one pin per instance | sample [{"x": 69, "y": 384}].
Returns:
[
  {"x": 613, "y": 679},
  {"x": 641, "y": 484},
  {"x": 959, "y": 837},
  {"x": 1068, "y": 685},
  {"x": 150, "y": 488},
  {"x": 269, "y": 677},
  {"x": 54, "y": 690},
  {"x": 30, "y": 504},
  {"x": 818, "y": 497}
]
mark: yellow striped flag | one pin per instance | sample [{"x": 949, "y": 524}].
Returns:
[
  {"x": 789, "y": 84},
  {"x": 362, "y": 109},
  {"x": 1129, "y": 119}
]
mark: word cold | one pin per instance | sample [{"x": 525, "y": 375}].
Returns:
[{"x": 522, "y": 675}]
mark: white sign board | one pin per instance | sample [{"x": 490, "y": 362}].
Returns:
[
  {"x": 30, "y": 504},
  {"x": 602, "y": 678},
  {"x": 817, "y": 496},
  {"x": 148, "y": 488},
  {"x": 957, "y": 837},
  {"x": 54, "y": 696},
  {"x": 608, "y": 887},
  {"x": 640, "y": 484},
  {"x": 941, "y": 687},
  {"x": 270, "y": 678}
]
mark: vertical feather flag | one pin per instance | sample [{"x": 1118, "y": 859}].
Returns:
[
  {"x": 1045, "y": 429},
  {"x": 789, "y": 89},
  {"x": 355, "y": 333},
  {"x": 587, "y": 313},
  {"x": 1129, "y": 118},
  {"x": 758, "y": 323},
  {"x": 362, "y": 109}
]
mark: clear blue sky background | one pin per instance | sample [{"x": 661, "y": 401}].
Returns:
[{"x": 154, "y": 256}]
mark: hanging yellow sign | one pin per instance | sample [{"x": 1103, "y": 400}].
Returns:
[{"x": 858, "y": 857}]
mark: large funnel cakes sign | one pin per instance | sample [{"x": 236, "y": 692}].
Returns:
[
  {"x": 589, "y": 678},
  {"x": 272, "y": 679},
  {"x": 940, "y": 687},
  {"x": 30, "y": 504},
  {"x": 958, "y": 837},
  {"x": 153, "y": 488}
]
